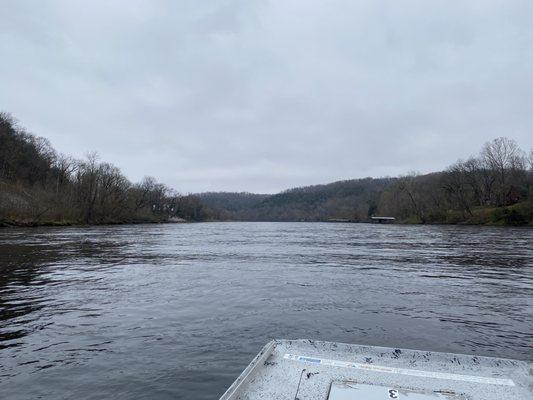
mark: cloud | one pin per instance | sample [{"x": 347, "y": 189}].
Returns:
[{"x": 265, "y": 95}]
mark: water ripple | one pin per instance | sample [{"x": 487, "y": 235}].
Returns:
[{"x": 176, "y": 311}]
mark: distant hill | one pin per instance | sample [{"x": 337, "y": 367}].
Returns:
[
  {"x": 231, "y": 202},
  {"x": 354, "y": 199},
  {"x": 495, "y": 187}
]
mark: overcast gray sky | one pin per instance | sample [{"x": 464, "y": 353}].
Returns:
[{"x": 246, "y": 95}]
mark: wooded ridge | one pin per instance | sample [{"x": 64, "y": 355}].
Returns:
[
  {"x": 39, "y": 186},
  {"x": 494, "y": 187}
]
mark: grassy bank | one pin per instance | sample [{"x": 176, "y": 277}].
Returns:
[{"x": 520, "y": 214}]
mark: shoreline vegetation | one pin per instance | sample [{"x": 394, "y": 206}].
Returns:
[{"x": 41, "y": 187}]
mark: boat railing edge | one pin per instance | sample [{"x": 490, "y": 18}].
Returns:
[{"x": 265, "y": 352}]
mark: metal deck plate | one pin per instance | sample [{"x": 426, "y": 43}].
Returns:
[
  {"x": 305, "y": 370},
  {"x": 356, "y": 391}
]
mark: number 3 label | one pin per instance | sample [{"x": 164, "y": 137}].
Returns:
[{"x": 393, "y": 394}]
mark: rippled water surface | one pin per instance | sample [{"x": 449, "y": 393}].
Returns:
[{"x": 177, "y": 311}]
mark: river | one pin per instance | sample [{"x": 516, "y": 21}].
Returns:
[{"x": 176, "y": 311}]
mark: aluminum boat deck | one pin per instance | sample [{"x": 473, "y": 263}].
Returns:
[{"x": 314, "y": 370}]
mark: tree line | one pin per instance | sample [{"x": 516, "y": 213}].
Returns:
[
  {"x": 41, "y": 186},
  {"x": 493, "y": 187},
  {"x": 38, "y": 185}
]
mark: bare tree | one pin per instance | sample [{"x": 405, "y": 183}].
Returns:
[
  {"x": 409, "y": 186},
  {"x": 503, "y": 157},
  {"x": 87, "y": 185},
  {"x": 457, "y": 182}
]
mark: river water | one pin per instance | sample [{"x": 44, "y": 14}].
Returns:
[{"x": 177, "y": 311}]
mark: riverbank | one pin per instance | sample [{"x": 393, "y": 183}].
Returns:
[
  {"x": 520, "y": 214},
  {"x": 34, "y": 224}
]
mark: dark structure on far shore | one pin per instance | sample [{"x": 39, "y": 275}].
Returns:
[{"x": 383, "y": 220}]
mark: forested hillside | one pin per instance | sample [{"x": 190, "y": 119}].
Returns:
[
  {"x": 233, "y": 205},
  {"x": 345, "y": 200},
  {"x": 40, "y": 186},
  {"x": 494, "y": 187}
]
